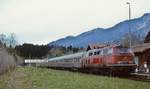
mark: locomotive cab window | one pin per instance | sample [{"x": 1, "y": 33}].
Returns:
[
  {"x": 105, "y": 51},
  {"x": 76, "y": 60},
  {"x": 90, "y": 54},
  {"x": 99, "y": 52},
  {"x": 95, "y": 53},
  {"x": 110, "y": 51},
  {"x": 122, "y": 50}
]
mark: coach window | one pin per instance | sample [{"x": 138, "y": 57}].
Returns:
[
  {"x": 77, "y": 60},
  {"x": 74, "y": 59},
  {"x": 65, "y": 60},
  {"x": 61, "y": 60},
  {"x": 70, "y": 60}
]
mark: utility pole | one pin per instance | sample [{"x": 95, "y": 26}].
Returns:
[{"x": 130, "y": 38}]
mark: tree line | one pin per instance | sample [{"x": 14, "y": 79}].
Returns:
[
  {"x": 32, "y": 51},
  {"x": 43, "y": 51}
]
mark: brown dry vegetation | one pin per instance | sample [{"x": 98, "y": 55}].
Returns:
[{"x": 7, "y": 61}]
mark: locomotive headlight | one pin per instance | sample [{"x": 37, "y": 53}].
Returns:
[
  {"x": 130, "y": 62},
  {"x": 119, "y": 62},
  {"x": 122, "y": 62}
]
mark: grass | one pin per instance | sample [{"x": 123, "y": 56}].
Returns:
[
  {"x": 4, "y": 79},
  {"x": 38, "y": 78}
]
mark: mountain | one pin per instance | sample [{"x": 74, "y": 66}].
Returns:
[{"x": 139, "y": 26}]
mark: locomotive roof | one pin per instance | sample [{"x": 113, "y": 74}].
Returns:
[
  {"x": 99, "y": 46},
  {"x": 67, "y": 56},
  {"x": 91, "y": 47}
]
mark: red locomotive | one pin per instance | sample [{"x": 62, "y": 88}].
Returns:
[
  {"x": 116, "y": 59},
  {"x": 111, "y": 58}
]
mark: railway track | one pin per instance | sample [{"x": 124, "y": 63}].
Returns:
[
  {"x": 133, "y": 76},
  {"x": 140, "y": 77}
]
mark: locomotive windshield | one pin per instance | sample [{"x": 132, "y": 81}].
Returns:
[{"x": 123, "y": 50}]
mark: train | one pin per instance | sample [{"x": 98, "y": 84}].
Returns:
[{"x": 108, "y": 59}]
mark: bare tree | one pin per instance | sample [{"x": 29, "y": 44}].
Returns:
[
  {"x": 12, "y": 40},
  {"x": 3, "y": 38}
]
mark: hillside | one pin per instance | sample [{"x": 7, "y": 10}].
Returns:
[{"x": 139, "y": 26}]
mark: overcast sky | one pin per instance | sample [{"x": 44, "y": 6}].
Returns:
[{"x": 42, "y": 21}]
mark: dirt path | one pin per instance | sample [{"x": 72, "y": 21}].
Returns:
[{"x": 19, "y": 80}]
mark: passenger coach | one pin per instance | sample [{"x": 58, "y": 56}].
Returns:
[{"x": 68, "y": 61}]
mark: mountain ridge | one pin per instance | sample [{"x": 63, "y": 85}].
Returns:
[{"x": 140, "y": 26}]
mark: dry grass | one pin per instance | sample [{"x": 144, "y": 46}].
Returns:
[{"x": 4, "y": 79}]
